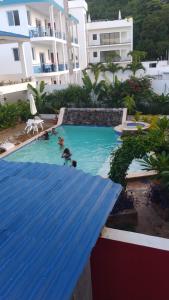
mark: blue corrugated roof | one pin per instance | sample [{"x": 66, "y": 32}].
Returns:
[
  {"x": 50, "y": 219},
  {"x": 11, "y": 34}
]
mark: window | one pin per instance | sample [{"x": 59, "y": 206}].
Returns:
[
  {"x": 106, "y": 56},
  {"x": 114, "y": 38},
  {"x": 16, "y": 54},
  {"x": 94, "y": 37},
  {"x": 13, "y": 18},
  {"x": 33, "y": 54},
  {"x": 152, "y": 65},
  {"x": 110, "y": 38},
  {"x": 29, "y": 17},
  {"x": 94, "y": 54}
]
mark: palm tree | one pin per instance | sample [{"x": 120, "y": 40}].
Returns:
[
  {"x": 156, "y": 162},
  {"x": 113, "y": 68},
  {"x": 160, "y": 164},
  {"x": 96, "y": 69},
  {"x": 136, "y": 64},
  {"x": 38, "y": 94}
]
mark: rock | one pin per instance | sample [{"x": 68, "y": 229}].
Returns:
[{"x": 92, "y": 116}]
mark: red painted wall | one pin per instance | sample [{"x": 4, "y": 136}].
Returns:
[{"x": 122, "y": 271}]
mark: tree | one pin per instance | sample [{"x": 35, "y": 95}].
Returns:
[
  {"x": 95, "y": 69},
  {"x": 113, "y": 68},
  {"x": 136, "y": 64},
  {"x": 39, "y": 94},
  {"x": 129, "y": 103}
]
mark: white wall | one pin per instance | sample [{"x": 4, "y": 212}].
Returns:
[
  {"x": 7, "y": 63},
  {"x": 160, "y": 86}
]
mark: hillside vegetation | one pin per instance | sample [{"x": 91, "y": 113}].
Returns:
[{"x": 151, "y": 22}]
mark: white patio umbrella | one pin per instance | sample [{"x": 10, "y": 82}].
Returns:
[{"x": 32, "y": 105}]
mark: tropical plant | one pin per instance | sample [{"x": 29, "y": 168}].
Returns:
[
  {"x": 156, "y": 162},
  {"x": 113, "y": 68},
  {"x": 94, "y": 89},
  {"x": 137, "y": 146},
  {"x": 11, "y": 114},
  {"x": 96, "y": 69},
  {"x": 39, "y": 94},
  {"x": 130, "y": 104},
  {"x": 136, "y": 64},
  {"x": 160, "y": 164}
]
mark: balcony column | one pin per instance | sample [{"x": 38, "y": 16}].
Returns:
[
  {"x": 74, "y": 53},
  {"x": 61, "y": 24},
  {"x": 76, "y": 77},
  {"x": 51, "y": 17},
  {"x": 63, "y": 46},
  {"x": 55, "y": 56},
  {"x": 120, "y": 38},
  {"x": 78, "y": 56},
  {"x": 76, "y": 33},
  {"x": 23, "y": 60}
]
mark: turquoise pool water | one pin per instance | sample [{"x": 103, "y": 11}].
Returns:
[{"x": 90, "y": 147}]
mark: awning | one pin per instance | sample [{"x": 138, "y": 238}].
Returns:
[
  {"x": 50, "y": 219},
  {"x": 9, "y": 37}
]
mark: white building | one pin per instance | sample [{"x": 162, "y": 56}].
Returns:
[
  {"x": 61, "y": 42},
  {"x": 106, "y": 37},
  {"x": 12, "y": 89},
  {"x": 79, "y": 9},
  {"x": 52, "y": 54}
]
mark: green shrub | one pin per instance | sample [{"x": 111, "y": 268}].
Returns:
[
  {"x": 11, "y": 114},
  {"x": 73, "y": 96}
]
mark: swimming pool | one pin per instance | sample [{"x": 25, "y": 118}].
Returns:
[{"x": 90, "y": 146}]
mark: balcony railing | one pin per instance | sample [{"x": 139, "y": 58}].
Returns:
[
  {"x": 106, "y": 43},
  {"x": 46, "y": 32},
  {"x": 49, "y": 68}
]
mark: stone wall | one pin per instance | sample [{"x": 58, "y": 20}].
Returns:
[{"x": 92, "y": 116}]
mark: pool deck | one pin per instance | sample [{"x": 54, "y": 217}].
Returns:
[{"x": 18, "y": 129}]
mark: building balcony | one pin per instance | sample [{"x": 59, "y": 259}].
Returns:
[
  {"x": 49, "y": 68},
  {"x": 110, "y": 43},
  {"x": 37, "y": 32}
]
